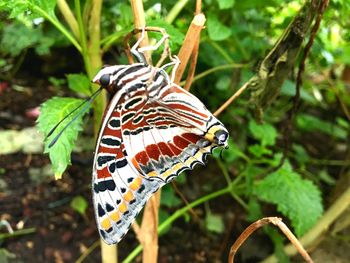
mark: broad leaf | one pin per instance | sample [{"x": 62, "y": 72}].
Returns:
[
  {"x": 214, "y": 223},
  {"x": 295, "y": 197},
  {"x": 79, "y": 83},
  {"x": 51, "y": 112},
  {"x": 225, "y": 4},
  {"x": 33, "y": 7},
  {"x": 79, "y": 204},
  {"x": 265, "y": 133},
  {"x": 216, "y": 30},
  {"x": 169, "y": 198}
]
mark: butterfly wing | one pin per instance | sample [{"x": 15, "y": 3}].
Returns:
[
  {"x": 169, "y": 133},
  {"x": 147, "y": 139},
  {"x": 119, "y": 190}
]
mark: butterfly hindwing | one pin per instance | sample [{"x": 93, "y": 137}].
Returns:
[{"x": 151, "y": 132}]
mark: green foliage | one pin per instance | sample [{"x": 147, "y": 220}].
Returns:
[
  {"x": 79, "y": 83},
  {"x": 265, "y": 133},
  {"x": 79, "y": 204},
  {"x": 297, "y": 198},
  {"x": 36, "y": 7},
  {"x": 169, "y": 197},
  {"x": 226, "y": 4},
  {"x": 17, "y": 37},
  {"x": 214, "y": 223},
  {"x": 217, "y": 31},
  {"x": 311, "y": 123},
  {"x": 51, "y": 112}
]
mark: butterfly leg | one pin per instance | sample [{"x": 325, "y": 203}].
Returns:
[
  {"x": 175, "y": 61},
  {"x": 135, "y": 48}
]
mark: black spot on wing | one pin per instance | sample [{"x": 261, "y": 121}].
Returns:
[
  {"x": 103, "y": 159},
  {"x": 100, "y": 210}
]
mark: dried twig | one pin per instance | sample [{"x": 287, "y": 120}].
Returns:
[
  {"x": 194, "y": 56},
  {"x": 264, "y": 221},
  {"x": 188, "y": 45},
  {"x": 314, "y": 234}
]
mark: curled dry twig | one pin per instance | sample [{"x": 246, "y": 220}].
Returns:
[{"x": 264, "y": 221}]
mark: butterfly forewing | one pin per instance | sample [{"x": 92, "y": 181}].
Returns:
[{"x": 152, "y": 131}]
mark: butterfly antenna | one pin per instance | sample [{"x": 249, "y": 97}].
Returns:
[{"x": 88, "y": 102}]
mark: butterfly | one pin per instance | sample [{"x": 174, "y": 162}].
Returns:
[{"x": 152, "y": 131}]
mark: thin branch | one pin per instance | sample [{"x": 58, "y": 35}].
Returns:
[
  {"x": 230, "y": 100},
  {"x": 314, "y": 234},
  {"x": 262, "y": 222},
  {"x": 212, "y": 70}
]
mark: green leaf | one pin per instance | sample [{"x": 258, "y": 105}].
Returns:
[
  {"x": 258, "y": 150},
  {"x": 21, "y": 7},
  {"x": 51, "y": 112},
  {"x": 214, "y": 223},
  {"x": 176, "y": 36},
  {"x": 265, "y": 133},
  {"x": 79, "y": 83},
  {"x": 299, "y": 199},
  {"x": 311, "y": 123},
  {"x": 169, "y": 198},
  {"x": 79, "y": 204},
  {"x": 225, "y": 4},
  {"x": 216, "y": 30}
]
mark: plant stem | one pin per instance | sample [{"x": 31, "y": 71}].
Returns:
[
  {"x": 178, "y": 214},
  {"x": 212, "y": 70},
  {"x": 225, "y": 55},
  {"x": 174, "y": 12},
  {"x": 59, "y": 26},
  {"x": 18, "y": 233},
  {"x": 69, "y": 17}
]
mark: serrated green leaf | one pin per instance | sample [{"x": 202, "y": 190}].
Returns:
[
  {"x": 51, "y": 112},
  {"x": 79, "y": 204},
  {"x": 29, "y": 7},
  {"x": 169, "y": 198},
  {"x": 17, "y": 37},
  {"x": 258, "y": 150},
  {"x": 265, "y": 133},
  {"x": 79, "y": 83},
  {"x": 214, "y": 223},
  {"x": 225, "y": 4},
  {"x": 217, "y": 31},
  {"x": 295, "y": 197}
]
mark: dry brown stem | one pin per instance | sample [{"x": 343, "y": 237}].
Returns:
[
  {"x": 264, "y": 221},
  {"x": 186, "y": 50},
  {"x": 194, "y": 56}
]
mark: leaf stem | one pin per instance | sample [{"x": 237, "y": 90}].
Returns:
[
  {"x": 175, "y": 11},
  {"x": 212, "y": 70},
  {"x": 59, "y": 26}
]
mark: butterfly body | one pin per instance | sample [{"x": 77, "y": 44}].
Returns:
[{"x": 152, "y": 131}]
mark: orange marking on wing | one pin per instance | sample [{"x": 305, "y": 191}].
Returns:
[
  {"x": 136, "y": 184},
  {"x": 128, "y": 196},
  {"x": 123, "y": 207},
  {"x": 135, "y": 163},
  {"x": 114, "y": 216},
  {"x": 106, "y": 223}
]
